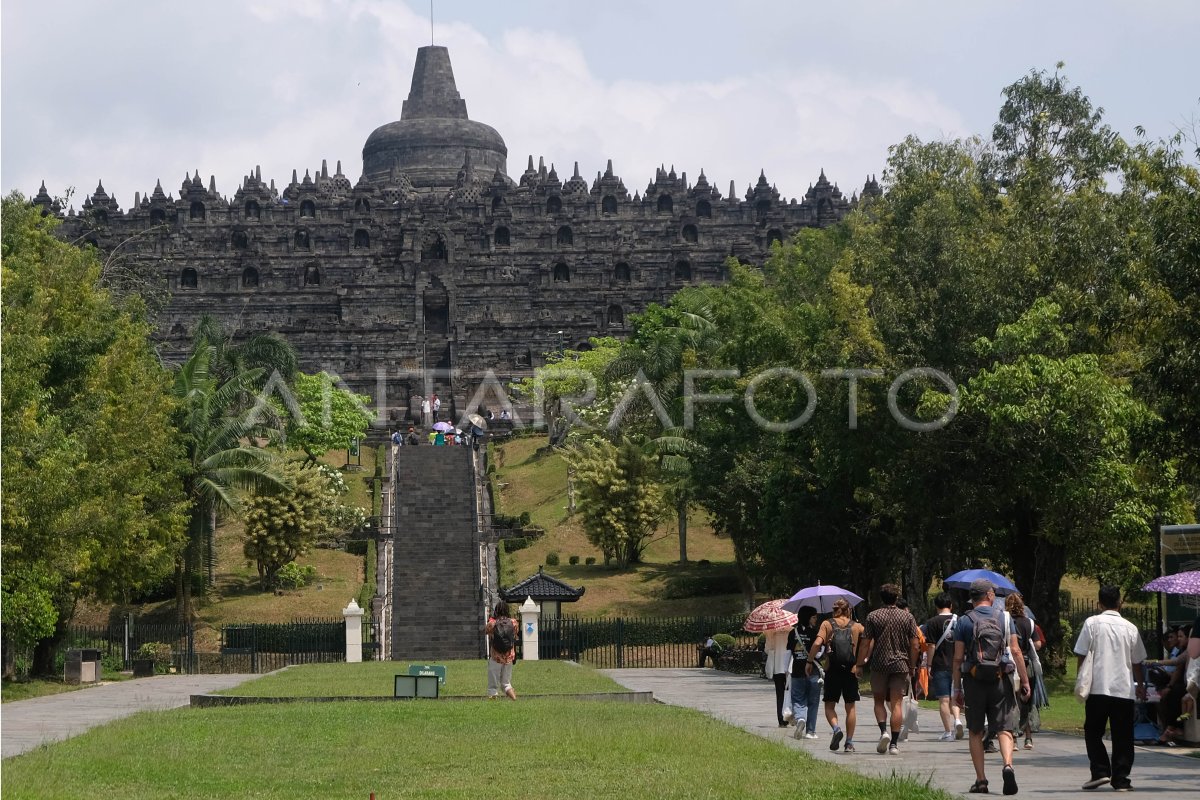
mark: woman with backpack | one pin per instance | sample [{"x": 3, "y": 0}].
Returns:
[{"x": 501, "y": 631}]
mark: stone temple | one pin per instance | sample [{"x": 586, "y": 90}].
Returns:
[{"x": 435, "y": 265}]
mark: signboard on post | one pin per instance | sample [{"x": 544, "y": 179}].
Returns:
[{"x": 429, "y": 669}]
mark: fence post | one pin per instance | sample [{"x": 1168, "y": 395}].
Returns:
[
  {"x": 531, "y": 614},
  {"x": 192, "y": 664},
  {"x": 620, "y": 643},
  {"x": 128, "y": 625},
  {"x": 353, "y": 615}
]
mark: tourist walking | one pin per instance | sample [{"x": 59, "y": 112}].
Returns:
[
  {"x": 1027, "y": 637},
  {"x": 986, "y": 653},
  {"x": 806, "y": 683},
  {"x": 426, "y": 411},
  {"x": 779, "y": 664},
  {"x": 939, "y": 638},
  {"x": 889, "y": 647},
  {"x": 501, "y": 630},
  {"x": 838, "y": 636},
  {"x": 413, "y": 439},
  {"x": 437, "y": 408},
  {"x": 1110, "y": 651}
]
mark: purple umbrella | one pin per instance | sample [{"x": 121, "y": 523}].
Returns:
[
  {"x": 444, "y": 427},
  {"x": 1179, "y": 583},
  {"x": 821, "y": 598}
]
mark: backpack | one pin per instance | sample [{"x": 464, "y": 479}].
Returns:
[
  {"x": 1024, "y": 639},
  {"x": 988, "y": 645},
  {"x": 504, "y": 637},
  {"x": 841, "y": 645}
]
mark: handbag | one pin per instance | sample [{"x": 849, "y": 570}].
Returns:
[{"x": 1083, "y": 681}]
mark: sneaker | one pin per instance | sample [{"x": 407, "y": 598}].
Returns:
[
  {"x": 903, "y": 737},
  {"x": 958, "y": 729},
  {"x": 1010, "y": 779},
  {"x": 990, "y": 747},
  {"x": 1124, "y": 787},
  {"x": 1095, "y": 783},
  {"x": 893, "y": 750},
  {"x": 836, "y": 740},
  {"x": 801, "y": 723},
  {"x": 798, "y": 733},
  {"x": 849, "y": 748},
  {"x": 948, "y": 736},
  {"x": 885, "y": 739},
  {"x": 812, "y": 735},
  {"x": 1029, "y": 744}
]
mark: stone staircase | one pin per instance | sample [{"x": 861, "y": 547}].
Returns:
[{"x": 438, "y": 607}]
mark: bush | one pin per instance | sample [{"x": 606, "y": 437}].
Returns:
[
  {"x": 552, "y": 558},
  {"x": 294, "y": 576},
  {"x": 515, "y": 543},
  {"x": 590, "y": 560},
  {"x": 158, "y": 652},
  {"x": 724, "y": 641},
  {"x": 524, "y": 519},
  {"x": 357, "y": 547},
  {"x": 573, "y": 560}
]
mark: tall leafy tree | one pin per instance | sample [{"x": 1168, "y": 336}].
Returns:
[
  {"x": 323, "y": 416},
  {"x": 92, "y": 501},
  {"x": 620, "y": 500},
  {"x": 221, "y": 462}
]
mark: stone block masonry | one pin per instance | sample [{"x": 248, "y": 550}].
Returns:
[{"x": 437, "y": 609}]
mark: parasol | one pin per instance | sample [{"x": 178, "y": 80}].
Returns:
[
  {"x": 1179, "y": 583},
  {"x": 821, "y": 598},
  {"x": 963, "y": 579},
  {"x": 770, "y": 616}
]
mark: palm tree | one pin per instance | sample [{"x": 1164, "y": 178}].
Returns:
[{"x": 219, "y": 461}]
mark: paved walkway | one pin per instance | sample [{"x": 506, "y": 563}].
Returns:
[
  {"x": 1056, "y": 767},
  {"x": 26, "y": 724}
]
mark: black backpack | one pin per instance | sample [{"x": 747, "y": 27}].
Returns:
[
  {"x": 988, "y": 644},
  {"x": 841, "y": 645},
  {"x": 504, "y": 636}
]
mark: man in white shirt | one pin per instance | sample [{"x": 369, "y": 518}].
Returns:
[{"x": 1117, "y": 654}]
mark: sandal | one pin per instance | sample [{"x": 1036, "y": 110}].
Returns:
[
  {"x": 978, "y": 787},
  {"x": 1029, "y": 744}
]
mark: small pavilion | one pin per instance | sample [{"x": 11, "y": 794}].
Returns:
[{"x": 545, "y": 589}]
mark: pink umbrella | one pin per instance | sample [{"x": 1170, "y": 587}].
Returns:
[
  {"x": 770, "y": 616},
  {"x": 1179, "y": 583}
]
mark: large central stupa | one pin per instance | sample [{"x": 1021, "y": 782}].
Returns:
[{"x": 429, "y": 141}]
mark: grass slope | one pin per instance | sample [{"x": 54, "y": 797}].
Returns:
[{"x": 531, "y": 478}]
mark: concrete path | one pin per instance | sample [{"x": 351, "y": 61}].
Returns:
[
  {"x": 1056, "y": 767},
  {"x": 26, "y": 724}
]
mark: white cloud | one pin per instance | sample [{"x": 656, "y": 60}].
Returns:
[{"x": 293, "y": 83}]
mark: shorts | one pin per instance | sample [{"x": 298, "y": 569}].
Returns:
[
  {"x": 841, "y": 684},
  {"x": 939, "y": 683},
  {"x": 890, "y": 684},
  {"x": 989, "y": 703}
]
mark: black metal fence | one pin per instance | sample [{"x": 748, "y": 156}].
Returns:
[
  {"x": 1145, "y": 618},
  {"x": 250, "y": 648},
  {"x": 265, "y": 647},
  {"x": 119, "y": 642},
  {"x": 635, "y": 641}
]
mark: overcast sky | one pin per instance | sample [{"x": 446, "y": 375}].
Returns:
[{"x": 129, "y": 92}]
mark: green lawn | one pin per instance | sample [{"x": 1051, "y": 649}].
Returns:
[
  {"x": 463, "y": 678},
  {"x": 25, "y": 689},
  {"x": 552, "y": 748}
]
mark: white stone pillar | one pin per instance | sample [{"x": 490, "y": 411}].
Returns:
[
  {"x": 353, "y": 615},
  {"x": 531, "y": 613}
]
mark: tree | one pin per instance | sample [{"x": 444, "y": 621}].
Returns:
[
  {"x": 569, "y": 380},
  {"x": 220, "y": 462},
  {"x": 324, "y": 416},
  {"x": 620, "y": 501},
  {"x": 283, "y": 525},
  {"x": 92, "y": 501}
]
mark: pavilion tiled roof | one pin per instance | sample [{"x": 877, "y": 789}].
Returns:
[{"x": 541, "y": 586}]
